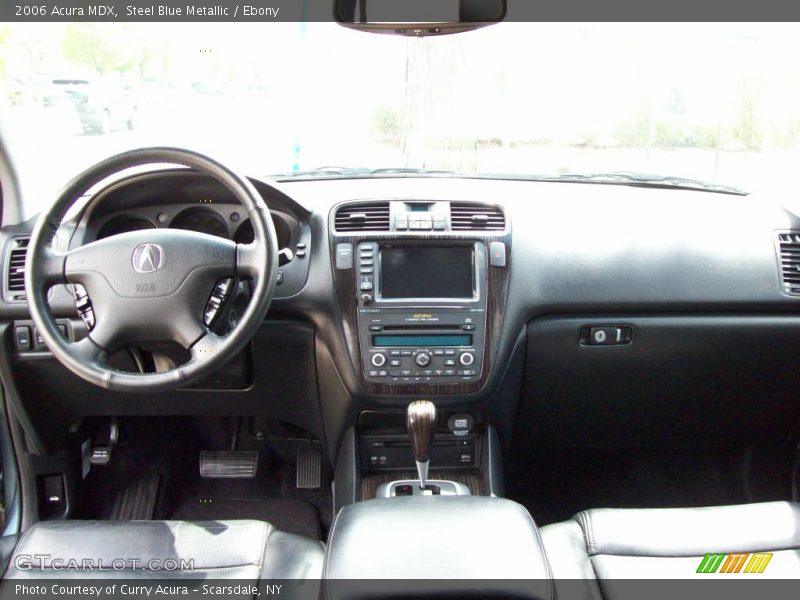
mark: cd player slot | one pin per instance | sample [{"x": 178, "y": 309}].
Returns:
[
  {"x": 422, "y": 327},
  {"x": 407, "y": 443}
]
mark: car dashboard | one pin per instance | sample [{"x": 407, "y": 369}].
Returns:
[{"x": 533, "y": 301}]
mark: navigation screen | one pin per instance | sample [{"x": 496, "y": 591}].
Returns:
[{"x": 416, "y": 272}]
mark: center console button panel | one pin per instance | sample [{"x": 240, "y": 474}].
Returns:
[
  {"x": 410, "y": 330},
  {"x": 424, "y": 282}
]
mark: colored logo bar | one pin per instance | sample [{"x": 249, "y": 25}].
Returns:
[{"x": 735, "y": 563}]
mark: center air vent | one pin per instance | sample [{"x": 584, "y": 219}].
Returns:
[
  {"x": 789, "y": 247},
  {"x": 369, "y": 216},
  {"x": 472, "y": 216},
  {"x": 15, "y": 268}
]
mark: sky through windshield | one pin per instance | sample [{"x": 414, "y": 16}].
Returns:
[{"x": 719, "y": 103}]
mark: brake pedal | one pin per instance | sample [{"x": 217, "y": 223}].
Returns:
[
  {"x": 228, "y": 464},
  {"x": 309, "y": 467}
]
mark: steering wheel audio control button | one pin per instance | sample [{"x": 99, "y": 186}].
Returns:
[
  {"x": 216, "y": 300},
  {"x": 84, "y": 305}
]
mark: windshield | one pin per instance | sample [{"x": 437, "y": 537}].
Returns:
[{"x": 710, "y": 102}]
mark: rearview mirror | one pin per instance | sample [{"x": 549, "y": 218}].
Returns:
[{"x": 418, "y": 17}]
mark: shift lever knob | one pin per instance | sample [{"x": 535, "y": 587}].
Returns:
[{"x": 421, "y": 420}]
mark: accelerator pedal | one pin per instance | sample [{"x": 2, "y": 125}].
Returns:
[
  {"x": 309, "y": 467},
  {"x": 137, "y": 502},
  {"x": 228, "y": 464}
]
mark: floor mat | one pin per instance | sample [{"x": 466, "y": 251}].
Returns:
[
  {"x": 167, "y": 449},
  {"x": 290, "y": 515},
  {"x": 137, "y": 501}
]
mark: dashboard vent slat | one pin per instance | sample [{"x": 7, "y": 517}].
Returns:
[
  {"x": 371, "y": 216},
  {"x": 15, "y": 272},
  {"x": 789, "y": 250},
  {"x": 473, "y": 216}
]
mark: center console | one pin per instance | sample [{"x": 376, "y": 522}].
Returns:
[
  {"x": 428, "y": 534},
  {"x": 421, "y": 286},
  {"x": 471, "y": 546},
  {"x": 389, "y": 454}
]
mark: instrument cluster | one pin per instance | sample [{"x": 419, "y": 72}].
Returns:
[{"x": 225, "y": 221}]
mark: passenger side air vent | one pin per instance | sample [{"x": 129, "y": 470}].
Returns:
[
  {"x": 472, "y": 216},
  {"x": 789, "y": 248},
  {"x": 369, "y": 216},
  {"x": 15, "y": 268}
]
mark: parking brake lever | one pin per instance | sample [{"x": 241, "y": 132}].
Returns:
[{"x": 421, "y": 421}]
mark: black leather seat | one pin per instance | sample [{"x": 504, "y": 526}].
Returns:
[
  {"x": 164, "y": 549},
  {"x": 669, "y": 543}
]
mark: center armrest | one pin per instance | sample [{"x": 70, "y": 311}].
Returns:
[{"x": 454, "y": 538}]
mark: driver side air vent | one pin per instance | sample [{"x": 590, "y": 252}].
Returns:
[
  {"x": 369, "y": 216},
  {"x": 789, "y": 249},
  {"x": 15, "y": 268},
  {"x": 472, "y": 216}
]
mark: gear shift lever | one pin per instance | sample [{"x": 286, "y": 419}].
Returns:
[
  {"x": 421, "y": 420},
  {"x": 421, "y": 423}
]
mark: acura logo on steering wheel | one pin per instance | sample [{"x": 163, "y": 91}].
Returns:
[{"x": 147, "y": 258}]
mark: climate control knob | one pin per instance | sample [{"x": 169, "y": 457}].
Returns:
[
  {"x": 466, "y": 359},
  {"x": 378, "y": 360},
  {"x": 423, "y": 359}
]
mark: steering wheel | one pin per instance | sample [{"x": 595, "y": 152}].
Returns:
[{"x": 151, "y": 285}]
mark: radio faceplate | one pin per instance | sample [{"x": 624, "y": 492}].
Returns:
[{"x": 432, "y": 339}]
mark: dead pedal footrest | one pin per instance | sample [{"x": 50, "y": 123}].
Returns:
[
  {"x": 137, "y": 502},
  {"x": 228, "y": 464},
  {"x": 309, "y": 467}
]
